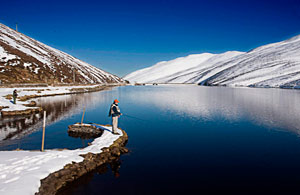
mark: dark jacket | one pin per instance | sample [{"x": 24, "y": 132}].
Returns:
[
  {"x": 114, "y": 110},
  {"x": 15, "y": 93}
]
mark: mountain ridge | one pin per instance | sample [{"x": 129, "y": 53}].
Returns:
[
  {"x": 26, "y": 60},
  {"x": 272, "y": 65}
]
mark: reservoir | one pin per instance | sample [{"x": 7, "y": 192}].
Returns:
[{"x": 183, "y": 139}]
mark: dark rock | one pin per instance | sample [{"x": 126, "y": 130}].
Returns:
[
  {"x": 124, "y": 150},
  {"x": 84, "y": 131}
]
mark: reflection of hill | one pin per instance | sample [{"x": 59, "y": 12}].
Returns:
[
  {"x": 12, "y": 126},
  {"x": 268, "y": 107},
  {"x": 57, "y": 108}
]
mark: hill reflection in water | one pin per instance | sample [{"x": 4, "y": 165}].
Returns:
[
  {"x": 15, "y": 132},
  {"x": 268, "y": 107}
]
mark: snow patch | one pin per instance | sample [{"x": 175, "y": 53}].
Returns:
[{"x": 21, "y": 171}]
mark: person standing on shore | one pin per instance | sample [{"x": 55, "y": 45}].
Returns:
[
  {"x": 15, "y": 95},
  {"x": 115, "y": 113}
]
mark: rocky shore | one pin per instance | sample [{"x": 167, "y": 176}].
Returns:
[
  {"x": 21, "y": 112},
  {"x": 84, "y": 131},
  {"x": 73, "y": 171}
]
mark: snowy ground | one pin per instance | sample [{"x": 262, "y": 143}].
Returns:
[
  {"x": 21, "y": 171},
  {"x": 32, "y": 91}
]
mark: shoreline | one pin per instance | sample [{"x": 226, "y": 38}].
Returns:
[
  {"x": 60, "y": 179},
  {"x": 296, "y": 87},
  {"x": 36, "y": 172},
  {"x": 25, "y": 107}
]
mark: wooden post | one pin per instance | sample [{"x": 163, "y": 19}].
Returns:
[
  {"x": 82, "y": 115},
  {"x": 44, "y": 127}
]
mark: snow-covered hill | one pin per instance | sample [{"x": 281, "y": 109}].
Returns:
[
  {"x": 25, "y": 60},
  {"x": 167, "y": 68},
  {"x": 180, "y": 70},
  {"x": 272, "y": 65}
]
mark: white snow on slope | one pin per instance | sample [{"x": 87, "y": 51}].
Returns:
[
  {"x": 4, "y": 56},
  {"x": 272, "y": 65},
  {"x": 21, "y": 171},
  {"x": 166, "y": 68},
  {"x": 202, "y": 71}
]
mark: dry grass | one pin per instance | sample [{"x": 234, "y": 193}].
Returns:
[{"x": 8, "y": 96}]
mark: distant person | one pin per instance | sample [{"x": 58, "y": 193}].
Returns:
[
  {"x": 115, "y": 113},
  {"x": 15, "y": 95}
]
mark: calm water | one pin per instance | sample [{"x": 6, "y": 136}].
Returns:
[{"x": 191, "y": 139}]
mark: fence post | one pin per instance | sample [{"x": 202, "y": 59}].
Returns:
[
  {"x": 82, "y": 115},
  {"x": 44, "y": 127}
]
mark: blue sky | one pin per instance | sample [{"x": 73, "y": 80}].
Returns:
[{"x": 122, "y": 36}]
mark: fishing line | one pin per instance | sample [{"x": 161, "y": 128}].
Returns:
[{"x": 129, "y": 116}]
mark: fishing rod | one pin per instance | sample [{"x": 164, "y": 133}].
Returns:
[
  {"x": 96, "y": 124},
  {"x": 129, "y": 116}
]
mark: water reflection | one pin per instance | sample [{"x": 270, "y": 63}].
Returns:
[
  {"x": 15, "y": 127},
  {"x": 269, "y": 107},
  {"x": 57, "y": 108},
  {"x": 273, "y": 108},
  {"x": 76, "y": 186}
]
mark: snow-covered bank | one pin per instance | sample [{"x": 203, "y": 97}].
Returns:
[{"x": 21, "y": 171}]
